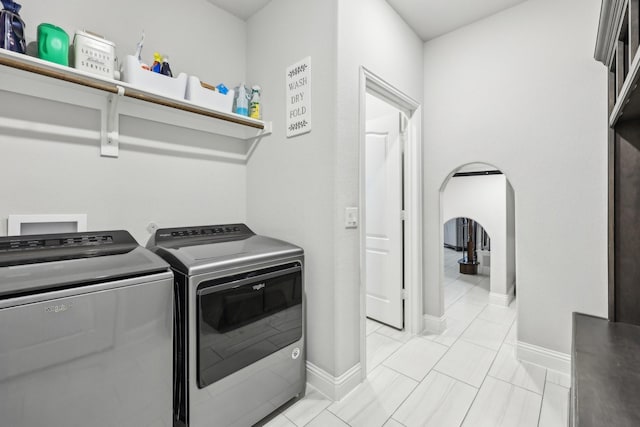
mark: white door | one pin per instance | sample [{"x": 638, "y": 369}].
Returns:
[{"x": 384, "y": 240}]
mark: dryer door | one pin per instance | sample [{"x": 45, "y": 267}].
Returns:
[{"x": 244, "y": 318}]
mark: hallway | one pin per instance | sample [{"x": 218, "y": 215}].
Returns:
[{"x": 468, "y": 375}]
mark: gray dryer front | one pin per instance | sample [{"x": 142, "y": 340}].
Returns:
[{"x": 239, "y": 333}]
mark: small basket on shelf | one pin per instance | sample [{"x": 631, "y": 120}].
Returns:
[
  {"x": 134, "y": 74},
  {"x": 207, "y": 96}
]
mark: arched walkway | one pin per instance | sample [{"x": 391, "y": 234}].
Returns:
[{"x": 483, "y": 193}]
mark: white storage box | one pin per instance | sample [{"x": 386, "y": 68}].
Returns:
[
  {"x": 94, "y": 54},
  {"x": 172, "y": 87},
  {"x": 208, "y": 98}
]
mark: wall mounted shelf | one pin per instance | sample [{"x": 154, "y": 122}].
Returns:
[{"x": 31, "y": 76}]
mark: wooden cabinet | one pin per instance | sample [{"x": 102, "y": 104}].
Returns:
[
  {"x": 605, "y": 358},
  {"x": 617, "y": 48},
  {"x": 605, "y": 373}
]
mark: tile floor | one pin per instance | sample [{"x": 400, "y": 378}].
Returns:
[{"x": 467, "y": 376}]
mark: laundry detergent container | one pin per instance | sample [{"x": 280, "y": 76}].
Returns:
[{"x": 53, "y": 44}]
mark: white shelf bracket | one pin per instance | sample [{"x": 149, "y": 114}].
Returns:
[
  {"x": 110, "y": 131},
  {"x": 268, "y": 130}
]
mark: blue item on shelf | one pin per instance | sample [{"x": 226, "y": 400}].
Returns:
[
  {"x": 222, "y": 89},
  {"x": 157, "y": 63},
  {"x": 11, "y": 27}
]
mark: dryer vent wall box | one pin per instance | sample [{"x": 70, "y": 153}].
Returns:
[{"x": 22, "y": 225}]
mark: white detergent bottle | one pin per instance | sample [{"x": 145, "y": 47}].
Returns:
[{"x": 242, "y": 102}]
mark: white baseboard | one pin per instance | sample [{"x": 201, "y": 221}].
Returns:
[
  {"x": 335, "y": 388},
  {"x": 544, "y": 357},
  {"x": 433, "y": 324},
  {"x": 502, "y": 299}
]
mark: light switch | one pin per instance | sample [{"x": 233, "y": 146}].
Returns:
[{"x": 351, "y": 218}]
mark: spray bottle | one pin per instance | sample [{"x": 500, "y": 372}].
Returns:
[
  {"x": 138, "y": 53},
  {"x": 165, "y": 69},
  {"x": 157, "y": 63},
  {"x": 254, "y": 105},
  {"x": 242, "y": 102},
  {"x": 139, "y": 48}
]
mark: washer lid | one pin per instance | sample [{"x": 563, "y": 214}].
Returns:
[
  {"x": 195, "y": 250},
  {"x": 33, "y": 264}
]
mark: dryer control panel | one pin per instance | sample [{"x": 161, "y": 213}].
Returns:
[{"x": 223, "y": 232}]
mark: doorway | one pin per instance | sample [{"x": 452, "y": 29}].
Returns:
[
  {"x": 385, "y": 132},
  {"x": 390, "y": 218},
  {"x": 478, "y": 217}
]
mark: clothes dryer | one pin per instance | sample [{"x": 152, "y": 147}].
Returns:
[{"x": 239, "y": 333}]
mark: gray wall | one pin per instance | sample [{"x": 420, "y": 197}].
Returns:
[
  {"x": 370, "y": 34},
  {"x": 520, "y": 90},
  {"x": 164, "y": 183},
  {"x": 298, "y": 188},
  {"x": 290, "y": 184}
]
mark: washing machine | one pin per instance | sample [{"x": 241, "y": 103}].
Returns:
[
  {"x": 239, "y": 332},
  {"x": 86, "y": 332}
]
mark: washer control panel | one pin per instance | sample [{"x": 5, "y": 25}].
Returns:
[{"x": 16, "y": 250}]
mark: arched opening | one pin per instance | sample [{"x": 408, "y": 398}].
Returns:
[{"x": 480, "y": 307}]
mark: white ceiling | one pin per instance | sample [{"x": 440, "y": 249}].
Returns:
[
  {"x": 433, "y": 18},
  {"x": 243, "y": 9},
  {"x": 428, "y": 18}
]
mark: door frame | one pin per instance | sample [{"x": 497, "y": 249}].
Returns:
[{"x": 370, "y": 82}]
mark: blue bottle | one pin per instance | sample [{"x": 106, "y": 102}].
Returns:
[
  {"x": 11, "y": 27},
  {"x": 242, "y": 100}
]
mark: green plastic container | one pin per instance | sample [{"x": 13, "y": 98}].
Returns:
[{"x": 53, "y": 44}]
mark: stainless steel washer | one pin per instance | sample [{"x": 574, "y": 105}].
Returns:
[
  {"x": 240, "y": 323},
  {"x": 85, "y": 332}
]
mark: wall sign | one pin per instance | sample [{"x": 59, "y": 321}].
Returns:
[{"x": 299, "y": 98}]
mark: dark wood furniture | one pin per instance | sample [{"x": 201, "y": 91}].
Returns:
[
  {"x": 617, "y": 48},
  {"x": 469, "y": 261},
  {"x": 605, "y": 385},
  {"x": 606, "y": 352}
]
